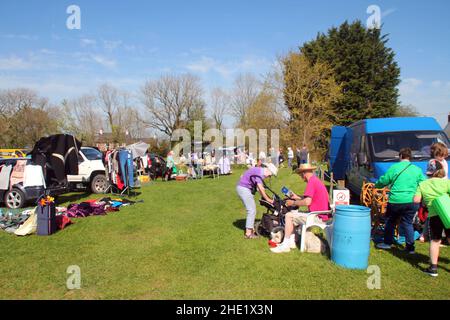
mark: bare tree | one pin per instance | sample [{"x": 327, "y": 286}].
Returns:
[
  {"x": 82, "y": 118},
  {"x": 220, "y": 102},
  {"x": 25, "y": 117},
  {"x": 244, "y": 94},
  {"x": 14, "y": 100},
  {"x": 170, "y": 101},
  {"x": 116, "y": 104},
  {"x": 109, "y": 101},
  {"x": 132, "y": 120}
]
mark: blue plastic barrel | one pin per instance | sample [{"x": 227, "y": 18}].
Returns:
[{"x": 350, "y": 246}]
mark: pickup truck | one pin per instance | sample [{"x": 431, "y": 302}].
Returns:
[{"x": 91, "y": 171}]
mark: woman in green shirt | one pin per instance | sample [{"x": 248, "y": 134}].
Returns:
[
  {"x": 427, "y": 192},
  {"x": 402, "y": 179}
]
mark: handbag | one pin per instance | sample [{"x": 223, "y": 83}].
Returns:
[
  {"x": 46, "y": 217},
  {"x": 395, "y": 179}
]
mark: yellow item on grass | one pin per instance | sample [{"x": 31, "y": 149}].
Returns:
[
  {"x": 29, "y": 226},
  {"x": 144, "y": 179}
]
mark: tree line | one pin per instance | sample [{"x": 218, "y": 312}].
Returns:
[{"x": 342, "y": 76}]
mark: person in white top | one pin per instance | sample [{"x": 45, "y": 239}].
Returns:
[
  {"x": 439, "y": 152},
  {"x": 290, "y": 156},
  {"x": 262, "y": 156}
]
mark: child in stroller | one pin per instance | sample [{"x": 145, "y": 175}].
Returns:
[{"x": 272, "y": 222}]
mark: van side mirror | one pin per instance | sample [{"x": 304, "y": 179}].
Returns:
[{"x": 362, "y": 159}]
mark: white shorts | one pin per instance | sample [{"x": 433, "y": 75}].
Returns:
[{"x": 299, "y": 218}]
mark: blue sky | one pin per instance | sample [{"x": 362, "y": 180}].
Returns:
[{"x": 127, "y": 42}]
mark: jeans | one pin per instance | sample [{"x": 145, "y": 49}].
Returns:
[
  {"x": 249, "y": 202},
  {"x": 405, "y": 212}
]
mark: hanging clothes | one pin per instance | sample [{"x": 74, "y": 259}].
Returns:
[
  {"x": 119, "y": 182},
  {"x": 18, "y": 173},
  {"x": 126, "y": 167},
  {"x": 58, "y": 157},
  {"x": 5, "y": 174},
  {"x": 34, "y": 176}
]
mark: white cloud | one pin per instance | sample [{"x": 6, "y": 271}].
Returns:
[
  {"x": 204, "y": 65},
  {"x": 111, "y": 45},
  {"x": 409, "y": 85},
  {"x": 85, "y": 42},
  {"x": 108, "y": 63},
  {"x": 20, "y": 36},
  {"x": 14, "y": 63},
  {"x": 228, "y": 68},
  {"x": 388, "y": 12},
  {"x": 436, "y": 84},
  {"x": 59, "y": 87},
  {"x": 430, "y": 98}
]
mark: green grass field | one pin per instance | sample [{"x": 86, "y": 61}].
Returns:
[{"x": 186, "y": 242}]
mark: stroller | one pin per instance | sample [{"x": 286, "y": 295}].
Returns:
[{"x": 272, "y": 222}]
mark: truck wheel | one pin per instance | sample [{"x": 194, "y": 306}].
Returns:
[
  {"x": 14, "y": 199},
  {"x": 99, "y": 184}
]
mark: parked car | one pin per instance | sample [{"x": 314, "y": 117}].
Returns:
[
  {"x": 18, "y": 195},
  {"x": 12, "y": 153},
  {"x": 91, "y": 171},
  {"x": 365, "y": 150}
]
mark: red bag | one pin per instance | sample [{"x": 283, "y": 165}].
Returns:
[
  {"x": 62, "y": 221},
  {"x": 423, "y": 213}
]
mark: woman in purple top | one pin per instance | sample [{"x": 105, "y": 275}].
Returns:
[{"x": 250, "y": 182}]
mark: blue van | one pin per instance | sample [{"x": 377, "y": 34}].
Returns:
[{"x": 365, "y": 150}]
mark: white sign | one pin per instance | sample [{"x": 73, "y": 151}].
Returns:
[{"x": 341, "y": 197}]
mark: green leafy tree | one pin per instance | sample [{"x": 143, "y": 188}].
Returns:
[
  {"x": 363, "y": 65},
  {"x": 310, "y": 91}
]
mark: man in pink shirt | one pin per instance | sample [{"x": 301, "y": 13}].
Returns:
[{"x": 315, "y": 198}]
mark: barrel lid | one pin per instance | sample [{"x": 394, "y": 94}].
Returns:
[{"x": 352, "y": 210}]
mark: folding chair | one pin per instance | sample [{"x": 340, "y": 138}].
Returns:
[{"x": 313, "y": 221}]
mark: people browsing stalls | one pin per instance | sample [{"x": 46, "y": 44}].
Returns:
[{"x": 251, "y": 182}]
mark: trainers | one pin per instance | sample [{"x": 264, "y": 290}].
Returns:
[
  {"x": 431, "y": 272},
  {"x": 281, "y": 249},
  {"x": 384, "y": 246},
  {"x": 292, "y": 245}
]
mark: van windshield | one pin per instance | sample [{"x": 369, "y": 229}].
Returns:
[{"x": 386, "y": 146}]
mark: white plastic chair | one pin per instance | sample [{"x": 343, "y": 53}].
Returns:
[{"x": 313, "y": 221}]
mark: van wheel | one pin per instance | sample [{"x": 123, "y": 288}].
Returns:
[
  {"x": 14, "y": 199},
  {"x": 99, "y": 184}
]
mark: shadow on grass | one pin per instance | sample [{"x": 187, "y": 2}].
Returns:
[
  {"x": 240, "y": 224},
  {"x": 416, "y": 259},
  {"x": 77, "y": 197},
  {"x": 72, "y": 197}
]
